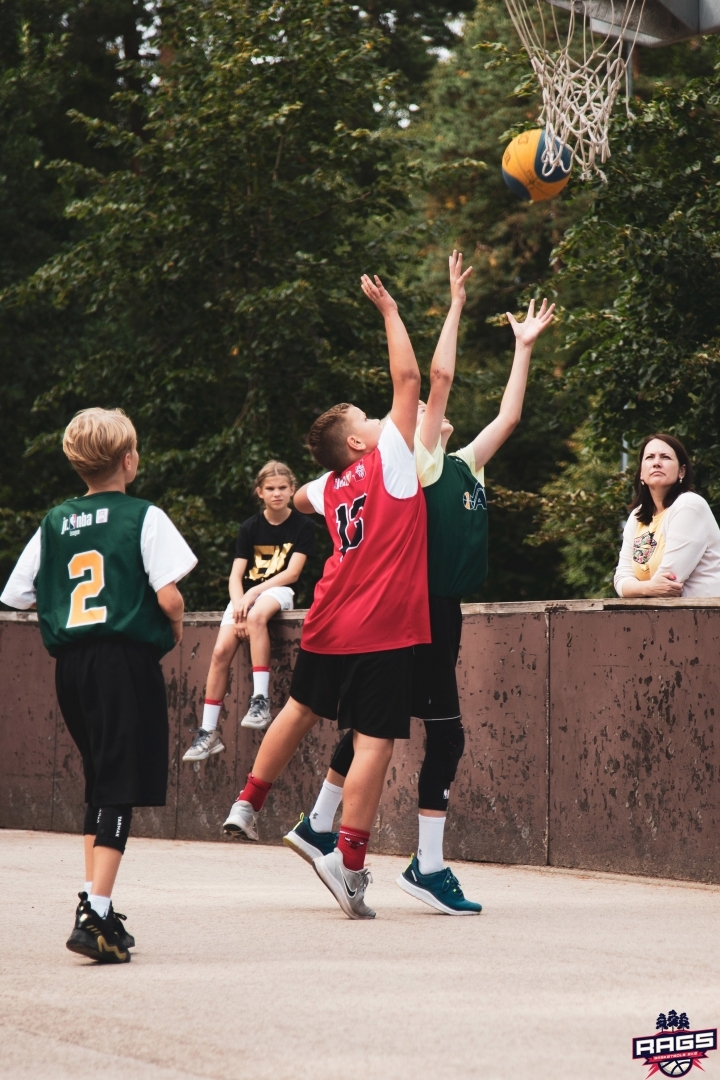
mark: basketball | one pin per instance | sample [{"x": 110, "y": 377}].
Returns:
[
  {"x": 522, "y": 168},
  {"x": 676, "y": 1068}
]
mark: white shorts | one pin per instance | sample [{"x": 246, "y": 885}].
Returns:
[{"x": 282, "y": 593}]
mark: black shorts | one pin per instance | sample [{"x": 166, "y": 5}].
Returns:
[
  {"x": 112, "y": 696},
  {"x": 368, "y": 692},
  {"x": 434, "y": 691}
]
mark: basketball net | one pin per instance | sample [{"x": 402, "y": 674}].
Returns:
[{"x": 578, "y": 91}]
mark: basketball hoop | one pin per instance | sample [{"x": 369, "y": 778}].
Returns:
[{"x": 579, "y": 72}]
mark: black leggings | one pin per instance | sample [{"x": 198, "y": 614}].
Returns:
[
  {"x": 110, "y": 825},
  {"x": 444, "y": 745}
]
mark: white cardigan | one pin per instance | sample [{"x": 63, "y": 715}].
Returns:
[{"x": 692, "y": 547}]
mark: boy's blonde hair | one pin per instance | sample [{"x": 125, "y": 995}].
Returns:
[
  {"x": 275, "y": 468},
  {"x": 96, "y": 441}
]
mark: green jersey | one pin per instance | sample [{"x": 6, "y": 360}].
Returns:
[
  {"x": 92, "y": 582},
  {"x": 457, "y": 524}
]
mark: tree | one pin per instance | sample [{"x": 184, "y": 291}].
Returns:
[
  {"x": 672, "y": 1019},
  {"x": 661, "y": 1023},
  {"x": 217, "y": 275},
  {"x": 648, "y": 352},
  {"x": 464, "y": 119},
  {"x": 53, "y": 57}
]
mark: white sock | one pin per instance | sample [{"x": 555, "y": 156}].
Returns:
[
  {"x": 261, "y": 682},
  {"x": 211, "y": 712},
  {"x": 323, "y": 812},
  {"x": 88, "y": 887},
  {"x": 430, "y": 843},
  {"x": 100, "y": 904}
]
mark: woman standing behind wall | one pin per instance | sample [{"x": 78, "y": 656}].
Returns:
[{"x": 671, "y": 540}]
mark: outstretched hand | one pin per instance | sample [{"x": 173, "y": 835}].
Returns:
[
  {"x": 457, "y": 277},
  {"x": 529, "y": 331},
  {"x": 376, "y": 291}
]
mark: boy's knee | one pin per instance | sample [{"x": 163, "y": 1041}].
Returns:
[
  {"x": 382, "y": 749},
  {"x": 443, "y": 750},
  {"x": 113, "y": 827},
  {"x": 256, "y": 617},
  {"x": 223, "y": 652}
]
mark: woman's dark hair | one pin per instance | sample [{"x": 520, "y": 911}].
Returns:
[{"x": 643, "y": 501}]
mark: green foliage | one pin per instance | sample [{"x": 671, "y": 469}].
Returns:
[
  {"x": 218, "y": 274},
  {"x": 53, "y": 57},
  {"x": 647, "y": 260},
  {"x": 182, "y": 231},
  {"x": 471, "y": 106}
]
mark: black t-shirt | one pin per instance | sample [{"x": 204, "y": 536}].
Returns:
[{"x": 268, "y": 548}]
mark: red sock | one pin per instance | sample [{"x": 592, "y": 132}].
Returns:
[
  {"x": 254, "y": 792},
  {"x": 352, "y": 845}
]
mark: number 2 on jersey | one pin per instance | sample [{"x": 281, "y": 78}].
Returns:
[{"x": 87, "y": 589}]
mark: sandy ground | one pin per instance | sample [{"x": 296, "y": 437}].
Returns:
[{"x": 245, "y": 969}]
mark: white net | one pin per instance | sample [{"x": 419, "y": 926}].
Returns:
[{"x": 579, "y": 71}]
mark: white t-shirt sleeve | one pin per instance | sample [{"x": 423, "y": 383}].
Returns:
[
  {"x": 20, "y": 589},
  {"x": 624, "y": 568},
  {"x": 165, "y": 554},
  {"x": 398, "y": 463},
  {"x": 467, "y": 454},
  {"x": 686, "y": 539},
  {"x": 315, "y": 492}
]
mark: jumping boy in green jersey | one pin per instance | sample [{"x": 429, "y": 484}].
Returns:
[
  {"x": 457, "y": 565},
  {"x": 102, "y": 569}
]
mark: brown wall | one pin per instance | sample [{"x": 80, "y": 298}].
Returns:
[{"x": 589, "y": 740}]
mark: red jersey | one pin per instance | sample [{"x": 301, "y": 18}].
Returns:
[{"x": 373, "y": 594}]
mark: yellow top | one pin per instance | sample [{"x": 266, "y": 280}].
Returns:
[{"x": 648, "y": 548}]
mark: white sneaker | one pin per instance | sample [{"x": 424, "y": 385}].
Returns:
[
  {"x": 241, "y": 821},
  {"x": 204, "y": 744},
  {"x": 347, "y": 886},
  {"x": 258, "y": 714}
]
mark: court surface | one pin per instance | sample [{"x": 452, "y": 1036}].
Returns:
[{"x": 245, "y": 969}]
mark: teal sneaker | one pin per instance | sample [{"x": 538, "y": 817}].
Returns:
[
  {"x": 441, "y": 890},
  {"x": 310, "y": 845}
]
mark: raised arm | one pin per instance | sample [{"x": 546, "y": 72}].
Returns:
[
  {"x": 442, "y": 369},
  {"x": 404, "y": 370},
  {"x": 491, "y": 438}
]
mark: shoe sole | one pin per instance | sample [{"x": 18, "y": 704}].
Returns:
[
  {"x": 218, "y": 749},
  {"x": 301, "y": 847},
  {"x": 110, "y": 957},
  {"x": 262, "y": 726},
  {"x": 429, "y": 899},
  {"x": 337, "y": 890},
  {"x": 237, "y": 833}
]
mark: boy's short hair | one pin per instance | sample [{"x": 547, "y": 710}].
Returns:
[
  {"x": 275, "y": 468},
  {"x": 327, "y": 438},
  {"x": 96, "y": 441}
]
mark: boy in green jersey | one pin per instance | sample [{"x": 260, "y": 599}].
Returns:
[
  {"x": 457, "y": 565},
  {"x": 102, "y": 570}
]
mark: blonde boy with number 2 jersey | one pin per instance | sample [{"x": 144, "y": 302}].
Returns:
[{"x": 102, "y": 569}]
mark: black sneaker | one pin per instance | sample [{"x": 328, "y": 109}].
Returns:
[
  {"x": 95, "y": 937},
  {"x": 127, "y": 941}
]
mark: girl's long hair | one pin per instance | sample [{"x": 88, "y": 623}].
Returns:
[{"x": 643, "y": 500}]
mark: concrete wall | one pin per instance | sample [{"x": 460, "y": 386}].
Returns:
[{"x": 589, "y": 740}]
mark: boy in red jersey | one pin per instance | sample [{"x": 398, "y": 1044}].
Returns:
[{"x": 370, "y": 609}]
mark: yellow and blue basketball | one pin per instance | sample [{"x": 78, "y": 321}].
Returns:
[{"x": 522, "y": 168}]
